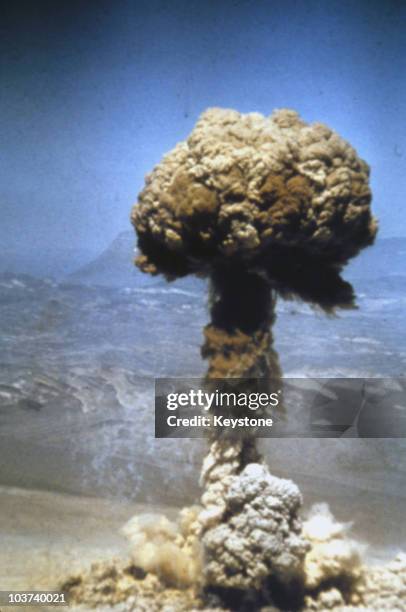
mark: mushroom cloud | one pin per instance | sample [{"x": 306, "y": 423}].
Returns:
[{"x": 262, "y": 206}]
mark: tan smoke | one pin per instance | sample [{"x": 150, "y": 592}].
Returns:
[
  {"x": 169, "y": 550},
  {"x": 272, "y": 193},
  {"x": 262, "y": 206},
  {"x": 334, "y": 576},
  {"x": 333, "y": 557}
]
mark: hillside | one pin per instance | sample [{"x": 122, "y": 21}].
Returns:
[{"x": 114, "y": 267}]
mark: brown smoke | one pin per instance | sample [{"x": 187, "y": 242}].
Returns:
[
  {"x": 263, "y": 206},
  {"x": 272, "y": 195}
]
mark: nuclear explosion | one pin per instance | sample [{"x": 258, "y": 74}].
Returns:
[{"x": 263, "y": 207}]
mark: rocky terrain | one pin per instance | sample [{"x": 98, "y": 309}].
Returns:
[{"x": 78, "y": 361}]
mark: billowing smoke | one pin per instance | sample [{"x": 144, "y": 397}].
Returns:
[
  {"x": 262, "y": 206},
  {"x": 167, "y": 549},
  {"x": 287, "y": 200},
  {"x": 165, "y": 570}
]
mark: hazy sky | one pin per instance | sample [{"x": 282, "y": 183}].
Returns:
[{"x": 94, "y": 92}]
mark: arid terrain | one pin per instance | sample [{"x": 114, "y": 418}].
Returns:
[{"x": 78, "y": 455}]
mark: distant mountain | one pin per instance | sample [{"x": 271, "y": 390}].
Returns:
[{"x": 114, "y": 267}]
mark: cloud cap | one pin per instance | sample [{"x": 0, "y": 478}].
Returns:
[{"x": 248, "y": 189}]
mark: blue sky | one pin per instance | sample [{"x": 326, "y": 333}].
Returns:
[{"x": 94, "y": 92}]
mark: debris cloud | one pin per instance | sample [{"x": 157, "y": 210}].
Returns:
[{"x": 262, "y": 206}]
